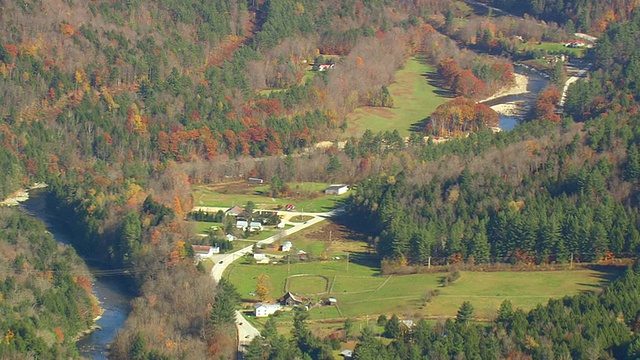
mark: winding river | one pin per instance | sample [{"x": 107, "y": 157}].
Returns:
[
  {"x": 524, "y": 101},
  {"x": 114, "y": 296}
]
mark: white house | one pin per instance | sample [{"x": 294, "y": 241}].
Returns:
[
  {"x": 337, "y": 189},
  {"x": 280, "y": 225},
  {"x": 242, "y": 224},
  {"x": 203, "y": 251},
  {"x": 255, "y": 226},
  {"x": 287, "y": 246},
  {"x": 264, "y": 310}
]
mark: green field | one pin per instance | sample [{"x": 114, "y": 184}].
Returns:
[
  {"x": 554, "y": 48},
  {"x": 414, "y": 97},
  {"x": 202, "y": 227},
  {"x": 362, "y": 292},
  {"x": 307, "y": 197}
]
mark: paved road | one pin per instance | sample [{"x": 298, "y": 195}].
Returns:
[{"x": 246, "y": 331}]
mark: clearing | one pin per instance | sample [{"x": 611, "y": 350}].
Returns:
[{"x": 415, "y": 96}]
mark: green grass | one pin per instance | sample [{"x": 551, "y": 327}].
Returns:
[
  {"x": 306, "y": 196},
  {"x": 554, "y": 48},
  {"x": 362, "y": 292},
  {"x": 312, "y": 284},
  {"x": 414, "y": 100},
  {"x": 201, "y": 227}
]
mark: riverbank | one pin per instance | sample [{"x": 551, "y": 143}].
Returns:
[
  {"x": 519, "y": 86},
  {"x": 21, "y": 195}
]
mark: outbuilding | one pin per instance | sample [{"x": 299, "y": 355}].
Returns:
[{"x": 337, "y": 189}]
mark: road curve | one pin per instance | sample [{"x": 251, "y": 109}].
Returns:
[{"x": 246, "y": 331}]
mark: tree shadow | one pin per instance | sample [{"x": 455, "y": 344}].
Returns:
[
  {"x": 419, "y": 126},
  {"x": 435, "y": 80}
]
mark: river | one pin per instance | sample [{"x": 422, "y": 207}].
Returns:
[
  {"x": 112, "y": 292},
  {"x": 521, "y": 102}
]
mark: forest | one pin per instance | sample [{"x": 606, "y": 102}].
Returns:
[
  {"x": 46, "y": 299},
  {"x": 121, "y": 106}
]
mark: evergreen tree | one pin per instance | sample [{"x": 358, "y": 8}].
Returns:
[
  {"x": 465, "y": 313},
  {"x": 392, "y": 328}
]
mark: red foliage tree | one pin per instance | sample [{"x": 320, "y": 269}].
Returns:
[
  {"x": 467, "y": 84},
  {"x": 547, "y": 103}
]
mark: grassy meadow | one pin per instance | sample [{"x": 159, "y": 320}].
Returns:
[
  {"x": 306, "y": 196},
  {"x": 361, "y": 291},
  {"x": 414, "y": 96}
]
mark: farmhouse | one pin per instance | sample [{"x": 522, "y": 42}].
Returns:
[
  {"x": 234, "y": 211},
  {"x": 337, "y": 189},
  {"x": 287, "y": 246},
  {"x": 264, "y": 310},
  {"x": 203, "y": 251}
]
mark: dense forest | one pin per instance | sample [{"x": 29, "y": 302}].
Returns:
[
  {"x": 586, "y": 16},
  {"x": 566, "y": 193},
  {"x": 46, "y": 300}
]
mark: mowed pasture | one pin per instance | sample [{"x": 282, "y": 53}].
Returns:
[
  {"x": 306, "y": 196},
  {"x": 361, "y": 291},
  {"x": 415, "y": 97}
]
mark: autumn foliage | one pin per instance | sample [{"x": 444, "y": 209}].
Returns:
[
  {"x": 461, "y": 115},
  {"x": 547, "y": 103},
  {"x": 462, "y": 82}
]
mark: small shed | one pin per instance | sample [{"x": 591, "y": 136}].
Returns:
[
  {"x": 347, "y": 354},
  {"x": 337, "y": 189}
]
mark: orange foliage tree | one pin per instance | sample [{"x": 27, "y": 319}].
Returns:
[{"x": 459, "y": 116}]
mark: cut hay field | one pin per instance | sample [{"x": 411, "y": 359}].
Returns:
[{"x": 415, "y": 97}]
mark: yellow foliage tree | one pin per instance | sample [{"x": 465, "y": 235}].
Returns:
[{"x": 263, "y": 288}]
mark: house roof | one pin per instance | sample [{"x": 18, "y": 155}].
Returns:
[
  {"x": 201, "y": 249},
  {"x": 268, "y": 306},
  {"x": 295, "y": 298},
  {"x": 236, "y": 210},
  {"x": 336, "y": 186}
]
